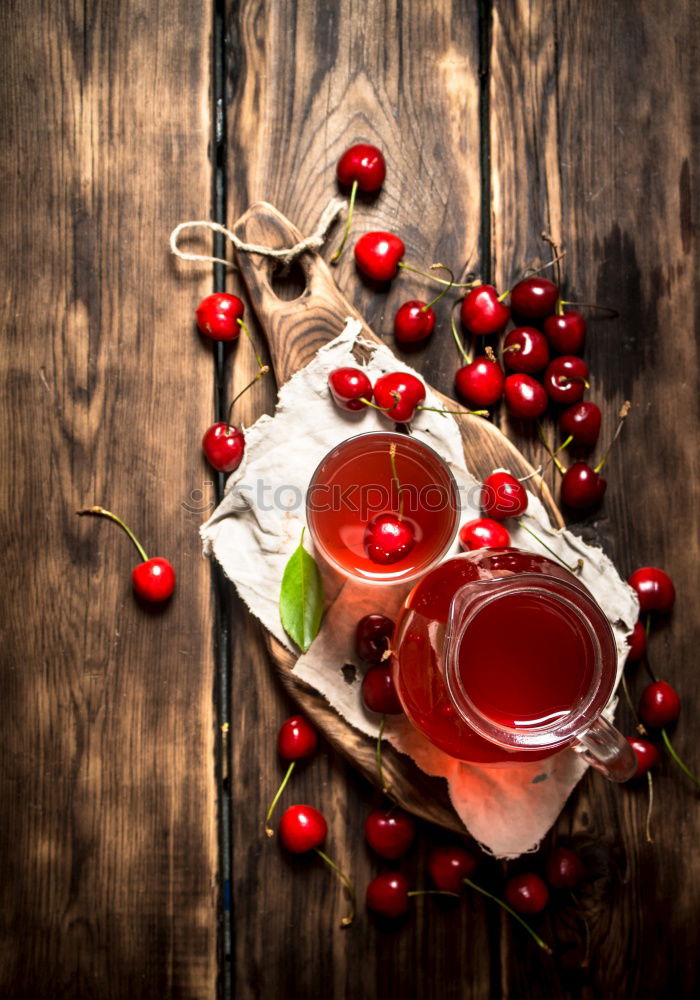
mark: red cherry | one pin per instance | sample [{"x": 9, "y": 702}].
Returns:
[
  {"x": 296, "y": 738},
  {"x": 566, "y": 379},
  {"x": 413, "y": 322},
  {"x": 566, "y": 333},
  {"x": 483, "y": 533},
  {"x": 646, "y": 753},
  {"x": 525, "y": 398},
  {"x": 373, "y": 633},
  {"x": 389, "y": 834},
  {"x": 527, "y": 893},
  {"x": 362, "y": 163},
  {"x": 582, "y": 486},
  {"x": 480, "y": 383},
  {"x": 154, "y": 580},
  {"x": 302, "y": 828},
  {"x": 637, "y": 642},
  {"x": 659, "y": 705},
  {"x": 378, "y": 254},
  {"x": 449, "y": 866},
  {"x": 218, "y": 316},
  {"x": 564, "y": 868},
  {"x": 388, "y": 894},
  {"x": 399, "y": 394},
  {"x": 224, "y": 445},
  {"x": 387, "y": 539},
  {"x": 502, "y": 496},
  {"x": 654, "y": 589},
  {"x": 481, "y": 312},
  {"x": 534, "y": 298},
  {"x": 348, "y": 386},
  {"x": 582, "y": 422},
  {"x": 525, "y": 350},
  {"x": 379, "y": 693}
]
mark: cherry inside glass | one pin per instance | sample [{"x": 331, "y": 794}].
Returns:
[{"x": 354, "y": 483}]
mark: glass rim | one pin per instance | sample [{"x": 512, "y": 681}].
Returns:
[
  {"x": 579, "y": 719},
  {"x": 386, "y": 580}
]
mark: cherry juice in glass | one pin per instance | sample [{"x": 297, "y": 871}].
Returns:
[
  {"x": 504, "y": 655},
  {"x": 355, "y": 482}
]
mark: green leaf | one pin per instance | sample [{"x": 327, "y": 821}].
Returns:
[{"x": 301, "y": 598}]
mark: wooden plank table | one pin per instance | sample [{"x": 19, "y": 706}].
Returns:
[{"x": 498, "y": 120}]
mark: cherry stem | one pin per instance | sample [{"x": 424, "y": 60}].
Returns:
[
  {"x": 650, "y": 806},
  {"x": 458, "y": 341},
  {"x": 555, "y": 250},
  {"x": 117, "y": 520},
  {"x": 504, "y": 905},
  {"x": 263, "y": 371},
  {"x": 548, "y": 447},
  {"x": 440, "y": 281},
  {"x": 534, "y": 270},
  {"x": 587, "y": 953},
  {"x": 472, "y": 413},
  {"x": 346, "y": 921},
  {"x": 346, "y": 232},
  {"x": 684, "y": 768},
  {"x": 513, "y": 347},
  {"x": 247, "y": 332},
  {"x": 429, "y": 305},
  {"x": 612, "y": 313},
  {"x": 382, "y": 409},
  {"x": 623, "y": 416},
  {"x": 268, "y": 829},
  {"x": 567, "y": 379},
  {"x": 564, "y": 444},
  {"x": 378, "y": 756},
  {"x": 571, "y": 569},
  {"x": 626, "y": 691},
  {"x": 395, "y": 477}
]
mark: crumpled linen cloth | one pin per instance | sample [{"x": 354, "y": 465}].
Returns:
[{"x": 507, "y": 808}]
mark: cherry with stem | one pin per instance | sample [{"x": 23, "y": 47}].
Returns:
[
  {"x": 153, "y": 579},
  {"x": 303, "y": 828},
  {"x": 296, "y": 740},
  {"x": 516, "y": 916}
]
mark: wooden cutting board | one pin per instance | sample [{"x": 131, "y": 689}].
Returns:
[{"x": 295, "y": 330}]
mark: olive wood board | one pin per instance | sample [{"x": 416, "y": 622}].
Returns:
[{"x": 295, "y": 330}]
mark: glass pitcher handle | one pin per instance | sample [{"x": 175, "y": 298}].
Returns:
[{"x": 607, "y": 750}]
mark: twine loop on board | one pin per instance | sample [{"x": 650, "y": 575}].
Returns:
[{"x": 286, "y": 254}]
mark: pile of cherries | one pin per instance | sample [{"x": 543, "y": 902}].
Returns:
[{"x": 541, "y": 361}]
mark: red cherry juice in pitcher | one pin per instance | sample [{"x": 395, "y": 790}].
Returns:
[{"x": 504, "y": 655}]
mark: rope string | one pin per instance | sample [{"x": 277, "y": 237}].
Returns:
[{"x": 286, "y": 254}]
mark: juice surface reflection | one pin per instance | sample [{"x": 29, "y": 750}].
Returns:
[
  {"x": 525, "y": 660},
  {"x": 354, "y": 483}
]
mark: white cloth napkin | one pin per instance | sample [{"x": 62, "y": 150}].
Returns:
[{"x": 252, "y": 533}]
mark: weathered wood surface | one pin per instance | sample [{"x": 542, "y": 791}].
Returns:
[
  {"x": 579, "y": 118},
  {"x": 578, "y": 145},
  {"x": 108, "y": 838}
]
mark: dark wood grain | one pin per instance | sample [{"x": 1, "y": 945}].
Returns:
[
  {"x": 108, "y": 839},
  {"x": 600, "y": 152},
  {"x": 590, "y": 128},
  {"x": 294, "y": 331},
  {"x": 307, "y": 81},
  {"x": 575, "y": 147}
]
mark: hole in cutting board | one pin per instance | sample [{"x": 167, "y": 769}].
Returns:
[{"x": 288, "y": 283}]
